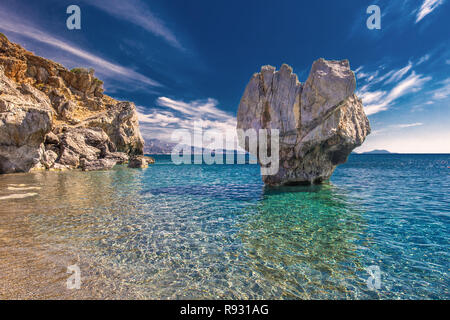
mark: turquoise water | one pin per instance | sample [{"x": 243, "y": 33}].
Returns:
[{"x": 214, "y": 231}]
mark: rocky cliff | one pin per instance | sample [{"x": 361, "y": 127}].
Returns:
[
  {"x": 320, "y": 121},
  {"x": 53, "y": 118}
]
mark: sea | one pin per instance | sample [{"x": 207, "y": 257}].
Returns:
[{"x": 378, "y": 229}]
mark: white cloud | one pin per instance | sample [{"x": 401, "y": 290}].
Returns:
[
  {"x": 366, "y": 76},
  {"x": 161, "y": 124},
  {"x": 389, "y": 129},
  {"x": 423, "y": 59},
  {"x": 12, "y": 24},
  {"x": 369, "y": 97},
  {"x": 359, "y": 69},
  {"x": 392, "y": 76},
  {"x": 399, "y": 74},
  {"x": 204, "y": 109},
  {"x": 408, "y": 125},
  {"x": 427, "y": 7},
  {"x": 443, "y": 92},
  {"x": 138, "y": 13},
  {"x": 380, "y": 101},
  {"x": 361, "y": 75}
]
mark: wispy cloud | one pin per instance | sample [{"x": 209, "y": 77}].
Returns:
[
  {"x": 367, "y": 76},
  {"x": 426, "y": 8},
  {"x": 178, "y": 114},
  {"x": 375, "y": 77},
  {"x": 10, "y": 23},
  {"x": 443, "y": 92},
  {"x": 424, "y": 59},
  {"x": 138, "y": 13},
  {"x": 408, "y": 125},
  {"x": 395, "y": 127},
  {"x": 377, "y": 101},
  {"x": 399, "y": 74}
]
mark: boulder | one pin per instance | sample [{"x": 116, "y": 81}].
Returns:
[
  {"x": 121, "y": 124},
  {"x": 320, "y": 122},
  {"x": 51, "y": 138},
  {"x": 138, "y": 162},
  {"x": 83, "y": 143},
  {"x": 95, "y": 165},
  {"x": 49, "y": 159},
  {"x": 66, "y": 110}
]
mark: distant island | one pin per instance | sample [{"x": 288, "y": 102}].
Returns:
[{"x": 376, "y": 151}]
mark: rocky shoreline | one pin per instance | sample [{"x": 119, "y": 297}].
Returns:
[{"x": 52, "y": 118}]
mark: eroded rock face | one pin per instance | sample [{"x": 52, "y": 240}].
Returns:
[
  {"x": 53, "y": 118},
  {"x": 320, "y": 122},
  {"x": 25, "y": 119}
]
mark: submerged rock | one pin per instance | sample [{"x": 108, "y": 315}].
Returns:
[
  {"x": 320, "y": 122},
  {"x": 52, "y": 118}
]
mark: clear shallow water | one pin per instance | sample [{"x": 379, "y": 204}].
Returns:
[{"x": 198, "y": 231}]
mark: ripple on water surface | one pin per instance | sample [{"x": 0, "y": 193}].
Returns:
[{"x": 197, "y": 231}]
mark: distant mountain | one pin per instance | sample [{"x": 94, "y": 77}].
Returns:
[
  {"x": 377, "y": 152},
  {"x": 155, "y": 146}
]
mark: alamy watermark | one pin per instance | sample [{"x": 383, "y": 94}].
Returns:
[
  {"x": 74, "y": 281},
  {"x": 374, "y": 20},
  {"x": 374, "y": 281},
  {"x": 73, "y": 22}
]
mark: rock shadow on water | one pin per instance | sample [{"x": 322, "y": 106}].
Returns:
[{"x": 293, "y": 188}]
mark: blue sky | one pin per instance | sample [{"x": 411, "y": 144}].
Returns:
[{"x": 186, "y": 60}]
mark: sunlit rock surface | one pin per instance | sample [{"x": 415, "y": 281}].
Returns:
[
  {"x": 320, "y": 121},
  {"x": 53, "y": 118}
]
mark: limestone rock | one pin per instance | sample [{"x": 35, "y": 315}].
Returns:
[
  {"x": 51, "y": 138},
  {"x": 99, "y": 164},
  {"x": 58, "y": 167},
  {"x": 138, "y": 162},
  {"x": 320, "y": 122},
  {"x": 25, "y": 119},
  {"x": 47, "y": 110},
  {"x": 83, "y": 143},
  {"x": 121, "y": 124},
  {"x": 67, "y": 109},
  {"x": 119, "y": 157},
  {"x": 49, "y": 158}
]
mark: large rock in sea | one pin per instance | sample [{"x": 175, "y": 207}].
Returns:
[
  {"x": 320, "y": 122},
  {"x": 56, "y": 119}
]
